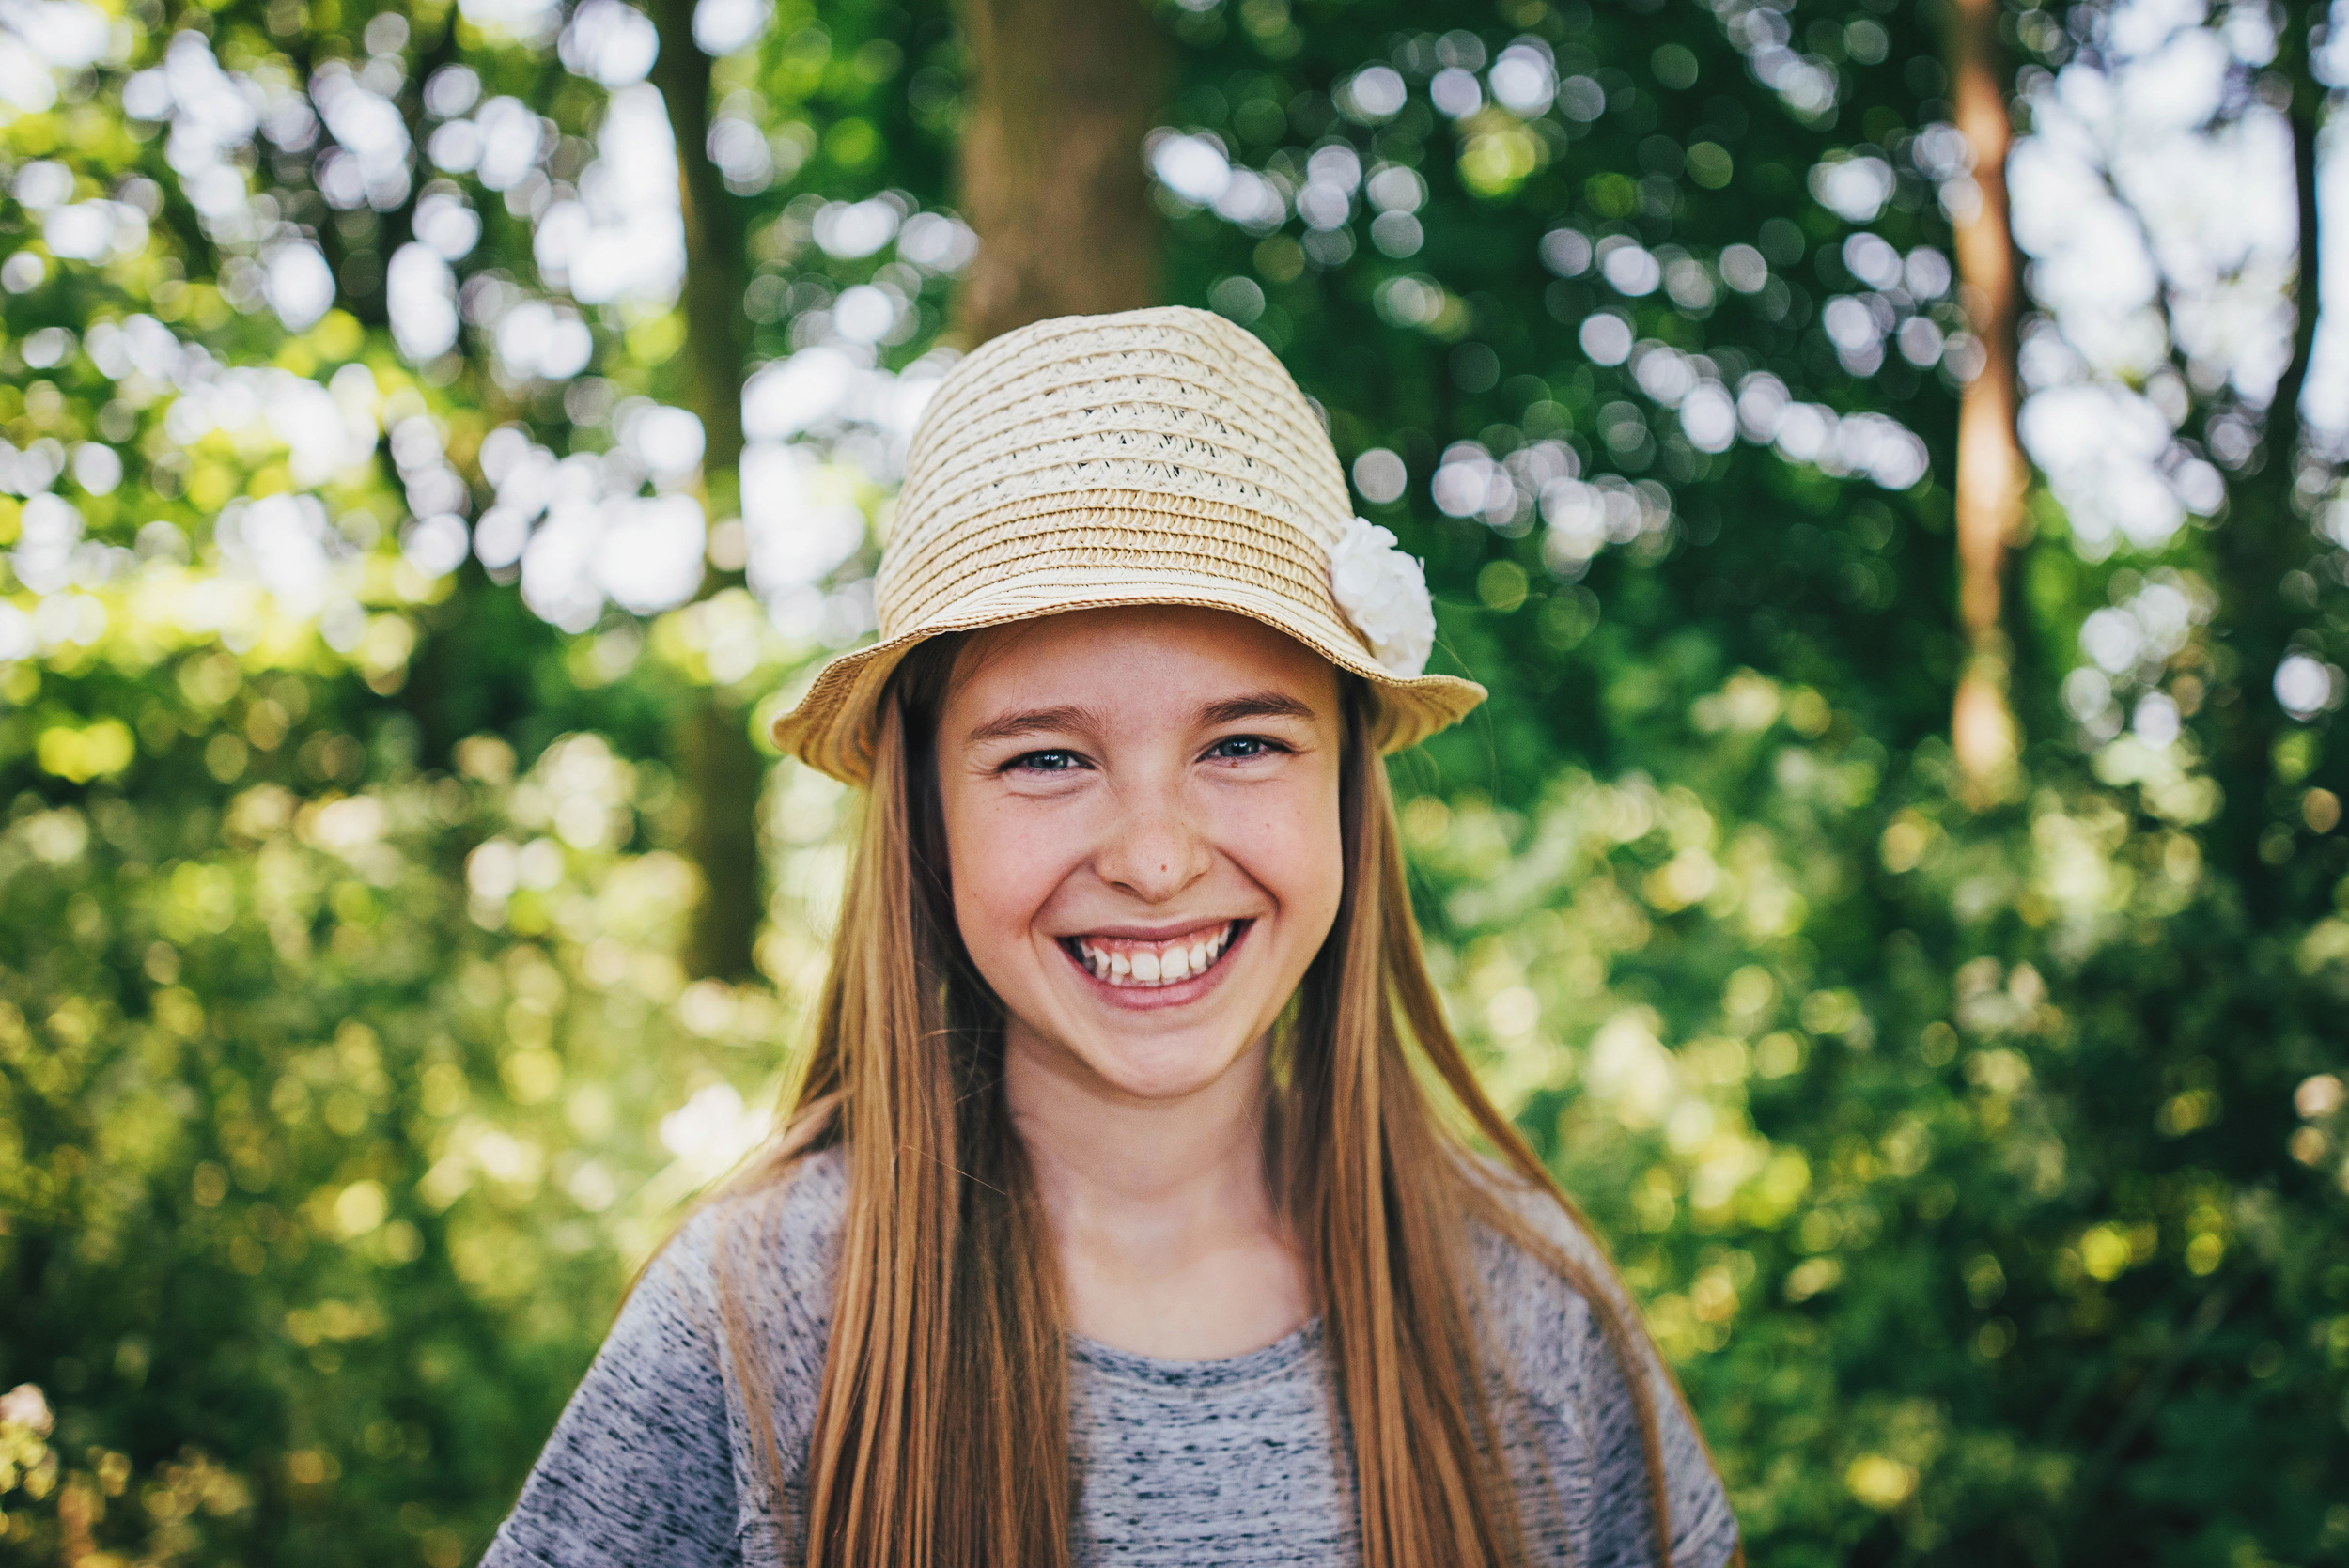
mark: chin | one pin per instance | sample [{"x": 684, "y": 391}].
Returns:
[{"x": 1160, "y": 1069}]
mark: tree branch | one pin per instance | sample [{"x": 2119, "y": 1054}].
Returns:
[{"x": 2183, "y": 1345}]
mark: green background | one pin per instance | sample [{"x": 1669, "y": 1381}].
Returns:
[{"x": 1973, "y": 1155}]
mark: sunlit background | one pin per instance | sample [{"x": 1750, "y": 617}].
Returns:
[{"x": 435, "y": 440}]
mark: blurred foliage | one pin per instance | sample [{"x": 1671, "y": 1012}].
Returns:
[{"x": 1982, "y": 1171}]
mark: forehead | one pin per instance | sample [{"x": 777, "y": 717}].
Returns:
[{"x": 1170, "y": 648}]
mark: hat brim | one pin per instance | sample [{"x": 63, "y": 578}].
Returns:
[{"x": 834, "y": 727}]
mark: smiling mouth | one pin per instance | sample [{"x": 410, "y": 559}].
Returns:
[{"x": 1128, "y": 962}]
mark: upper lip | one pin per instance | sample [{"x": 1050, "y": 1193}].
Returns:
[{"x": 1155, "y": 933}]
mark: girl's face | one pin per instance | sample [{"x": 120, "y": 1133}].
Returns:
[{"x": 1142, "y": 825}]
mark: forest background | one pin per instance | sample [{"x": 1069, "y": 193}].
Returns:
[{"x": 1884, "y": 458}]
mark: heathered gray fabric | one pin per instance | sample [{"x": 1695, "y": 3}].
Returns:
[{"x": 1180, "y": 1463}]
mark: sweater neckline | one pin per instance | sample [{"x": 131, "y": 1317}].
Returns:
[{"x": 1281, "y": 1356}]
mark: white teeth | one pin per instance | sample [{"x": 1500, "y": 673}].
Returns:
[{"x": 1153, "y": 966}]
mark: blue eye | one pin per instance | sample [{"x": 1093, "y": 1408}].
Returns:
[
  {"x": 1240, "y": 748},
  {"x": 1046, "y": 762}
]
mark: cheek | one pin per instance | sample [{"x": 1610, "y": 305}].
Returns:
[
  {"x": 1329, "y": 870},
  {"x": 1003, "y": 875},
  {"x": 1299, "y": 855}
]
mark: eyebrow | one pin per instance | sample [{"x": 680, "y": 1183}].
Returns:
[
  {"x": 1231, "y": 710},
  {"x": 1011, "y": 726},
  {"x": 1256, "y": 705}
]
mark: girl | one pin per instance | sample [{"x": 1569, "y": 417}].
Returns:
[{"x": 1118, "y": 1218}]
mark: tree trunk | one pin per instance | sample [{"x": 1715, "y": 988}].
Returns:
[
  {"x": 1062, "y": 94},
  {"x": 1991, "y": 472},
  {"x": 722, "y": 771},
  {"x": 2305, "y": 112},
  {"x": 716, "y": 333},
  {"x": 716, "y": 764},
  {"x": 2266, "y": 536}
]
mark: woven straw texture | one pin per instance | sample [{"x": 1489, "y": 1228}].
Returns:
[{"x": 1154, "y": 457}]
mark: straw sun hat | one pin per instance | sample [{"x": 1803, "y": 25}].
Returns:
[{"x": 1156, "y": 457}]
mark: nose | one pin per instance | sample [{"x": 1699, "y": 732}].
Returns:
[{"x": 1155, "y": 845}]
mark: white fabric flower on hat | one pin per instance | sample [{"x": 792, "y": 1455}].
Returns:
[{"x": 1384, "y": 593}]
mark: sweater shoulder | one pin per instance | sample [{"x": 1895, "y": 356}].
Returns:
[
  {"x": 1536, "y": 1265},
  {"x": 778, "y": 1239},
  {"x": 755, "y": 1269},
  {"x": 1563, "y": 1335}
]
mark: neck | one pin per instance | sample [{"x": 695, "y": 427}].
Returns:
[
  {"x": 1163, "y": 1221},
  {"x": 1099, "y": 1152}
]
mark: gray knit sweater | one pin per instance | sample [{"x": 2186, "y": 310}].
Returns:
[{"x": 1180, "y": 1463}]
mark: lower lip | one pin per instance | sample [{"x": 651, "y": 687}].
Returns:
[{"x": 1146, "y": 998}]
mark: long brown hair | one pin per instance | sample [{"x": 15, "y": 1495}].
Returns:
[{"x": 941, "y": 1436}]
